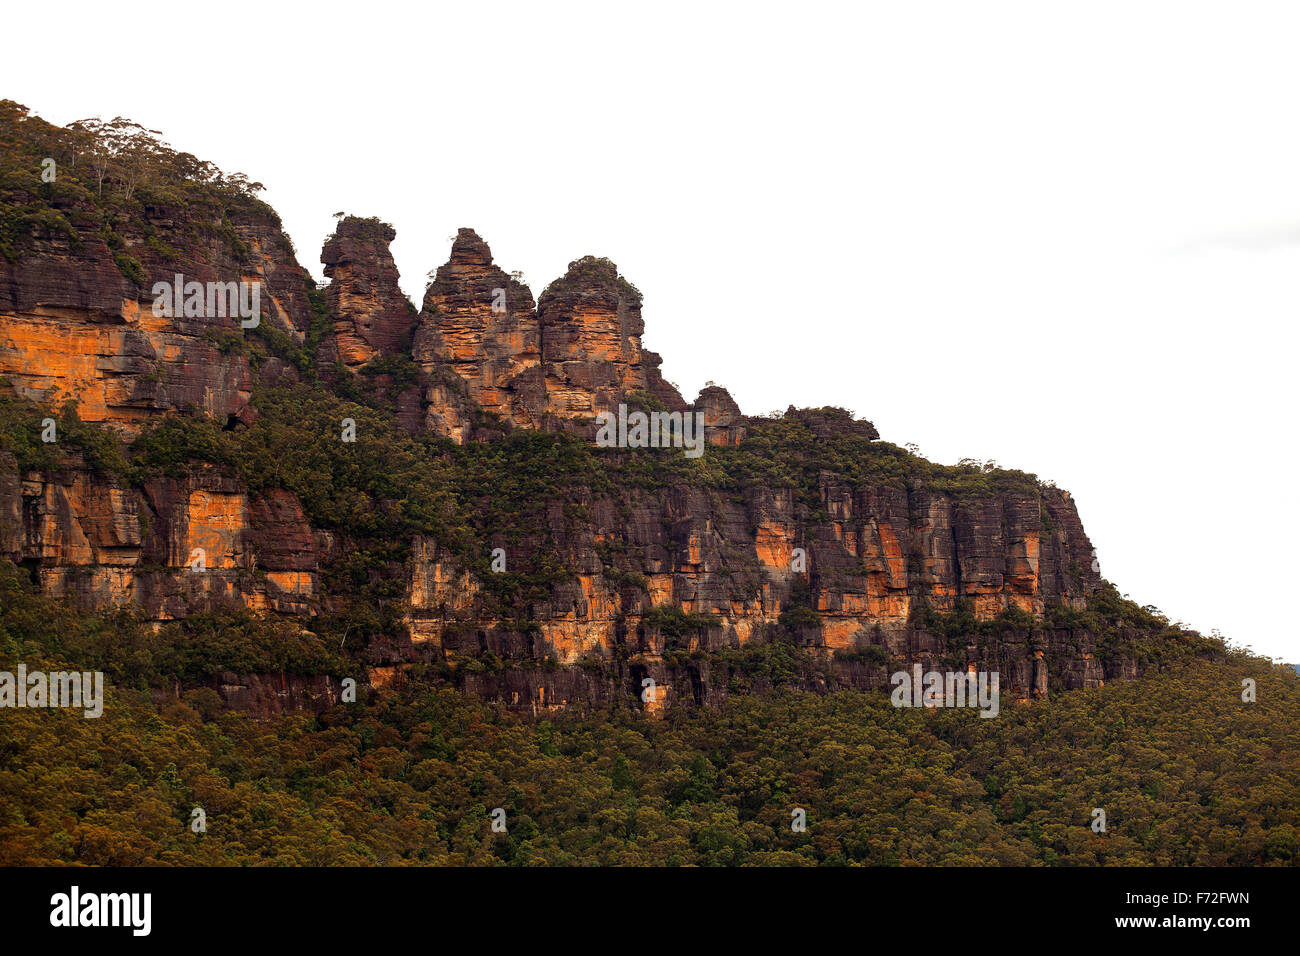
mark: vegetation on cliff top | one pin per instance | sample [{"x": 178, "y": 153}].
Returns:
[
  {"x": 592, "y": 272},
  {"x": 108, "y": 175}
]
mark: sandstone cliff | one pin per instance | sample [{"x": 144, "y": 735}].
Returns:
[
  {"x": 372, "y": 318},
  {"x": 76, "y": 316},
  {"x": 809, "y": 535}
]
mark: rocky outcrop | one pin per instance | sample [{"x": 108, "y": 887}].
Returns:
[
  {"x": 591, "y": 340},
  {"x": 863, "y": 566},
  {"x": 372, "y": 317},
  {"x": 551, "y": 365},
  {"x": 272, "y": 695},
  {"x": 478, "y": 344},
  {"x": 723, "y": 423},
  {"x": 74, "y": 328},
  {"x": 829, "y": 422}
]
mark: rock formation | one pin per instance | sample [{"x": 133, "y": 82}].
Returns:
[
  {"x": 74, "y": 327},
  {"x": 372, "y": 318},
  {"x": 591, "y": 340},
  {"x": 478, "y": 337},
  {"x": 723, "y": 423},
  {"x": 552, "y": 365},
  {"x": 658, "y": 578}
]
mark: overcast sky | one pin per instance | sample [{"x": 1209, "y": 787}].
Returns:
[{"x": 1064, "y": 239}]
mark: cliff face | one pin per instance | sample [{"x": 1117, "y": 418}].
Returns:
[
  {"x": 169, "y": 548},
  {"x": 656, "y": 581},
  {"x": 879, "y": 555},
  {"x": 74, "y": 327},
  {"x": 866, "y": 566}
]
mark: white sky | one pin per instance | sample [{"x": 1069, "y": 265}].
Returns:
[{"x": 1068, "y": 240}]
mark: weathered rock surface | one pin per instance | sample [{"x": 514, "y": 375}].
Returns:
[
  {"x": 73, "y": 328},
  {"x": 372, "y": 317},
  {"x": 591, "y": 340},
  {"x": 882, "y": 552},
  {"x": 478, "y": 343},
  {"x": 271, "y": 695},
  {"x": 723, "y": 423},
  {"x": 551, "y": 365},
  {"x": 169, "y": 549}
]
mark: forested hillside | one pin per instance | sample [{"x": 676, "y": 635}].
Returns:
[{"x": 1185, "y": 771}]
